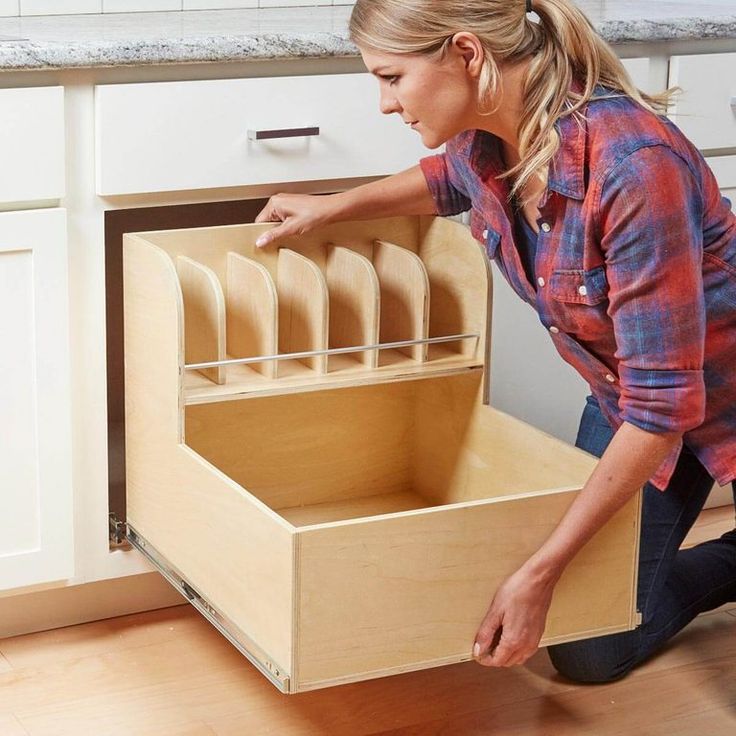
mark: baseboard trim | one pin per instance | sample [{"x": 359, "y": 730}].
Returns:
[{"x": 28, "y": 613}]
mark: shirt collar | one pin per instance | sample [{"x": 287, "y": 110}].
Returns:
[{"x": 567, "y": 168}]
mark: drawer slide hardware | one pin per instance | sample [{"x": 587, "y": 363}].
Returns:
[
  {"x": 234, "y": 635},
  {"x": 332, "y": 351},
  {"x": 118, "y": 531},
  {"x": 269, "y": 135}
]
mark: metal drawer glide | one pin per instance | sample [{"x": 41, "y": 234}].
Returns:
[{"x": 231, "y": 632}]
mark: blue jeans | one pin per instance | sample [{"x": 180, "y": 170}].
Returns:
[{"x": 674, "y": 586}]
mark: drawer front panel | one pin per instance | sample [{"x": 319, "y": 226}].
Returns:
[
  {"x": 706, "y": 111},
  {"x": 171, "y": 136},
  {"x": 640, "y": 71},
  {"x": 32, "y": 144},
  {"x": 724, "y": 167},
  {"x": 420, "y": 585}
]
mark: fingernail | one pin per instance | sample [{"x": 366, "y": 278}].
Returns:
[
  {"x": 260, "y": 242},
  {"x": 476, "y": 649}
]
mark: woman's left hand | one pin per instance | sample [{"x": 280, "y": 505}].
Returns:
[{"x": 513, "y": 627}]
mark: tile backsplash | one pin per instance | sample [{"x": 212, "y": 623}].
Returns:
[{"x": 76, "y": 7}]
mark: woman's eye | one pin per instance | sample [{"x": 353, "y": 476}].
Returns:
[{"x": 390, "y": 78}]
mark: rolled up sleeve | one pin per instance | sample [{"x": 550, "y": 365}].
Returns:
[
  {"x": 445, "y": 182},
  {"x": 651, "y": 234}
]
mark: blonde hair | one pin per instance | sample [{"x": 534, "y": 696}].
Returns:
[{"x": 563, "y": 47}]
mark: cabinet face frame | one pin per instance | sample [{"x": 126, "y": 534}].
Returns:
[
  {"x": 35, "y": 401},
  {"x": 266, "y": 579}
]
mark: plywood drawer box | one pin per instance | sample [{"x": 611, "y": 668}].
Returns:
[
  {"x": 706, "y": 111},
  {"x": 172, "y": 136},
  {"x": 347, "y": 515}
]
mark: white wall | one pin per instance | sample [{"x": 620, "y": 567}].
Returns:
[{"x": 10, "y": 8}]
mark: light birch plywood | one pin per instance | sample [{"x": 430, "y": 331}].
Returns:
[
  {"x": 461, "y": 289},
  {"x": 204, "y": 316},
  {"x": 421, "y": 582},
  {"x": 388, "y": 509},
  {"x": 235, "y": 551},
  {"x": 465, "y": 454},
  {"x": 311, "y": 448},
  {"x": 355, "y": 302},
  {"x": 251, "y": 307},
  {"x": 462, "y": 301},
  {"x": 404, "y": 288},
  {"x": 303, "y": 308}
]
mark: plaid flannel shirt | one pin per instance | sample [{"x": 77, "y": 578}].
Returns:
[{"x": 635, "y": 266}]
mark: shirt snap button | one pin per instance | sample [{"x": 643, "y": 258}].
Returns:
[
  {"x": 582, "y": 291},
  {"x": 541, "y": 281},
  {"x": 610, "y": 378},
  {"x": 554, "y": 330},
  {"x": 545, "y": 227}
]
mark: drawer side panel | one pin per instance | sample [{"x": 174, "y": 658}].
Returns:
[{"x": 229, "y": 546}]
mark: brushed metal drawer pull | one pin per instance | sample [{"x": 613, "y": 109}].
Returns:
[
  {"x": 266, "y": 135},
  {"x": 733, "y": 102}
]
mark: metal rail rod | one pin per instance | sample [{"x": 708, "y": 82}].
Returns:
[{"x": 330, "y": 351}]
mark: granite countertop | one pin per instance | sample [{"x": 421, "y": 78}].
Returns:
[{"x": 129, "y": 39}]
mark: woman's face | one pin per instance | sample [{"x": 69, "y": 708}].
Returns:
[{"x": 438, "y": 98}]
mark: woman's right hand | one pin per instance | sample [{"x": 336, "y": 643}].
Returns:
[{"x": 297, "y": 213}]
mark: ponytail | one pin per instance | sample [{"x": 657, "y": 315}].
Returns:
[{"x": 563, "y": 47}]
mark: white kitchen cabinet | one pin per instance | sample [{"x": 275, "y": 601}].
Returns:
[
  {"x": 173, "y": 136},
  {"x": 640, "y": 70},
  {"x": 36, "y": 528},
  {"x": 31, "y": 144},
  {"x": 706, "y": 111}
]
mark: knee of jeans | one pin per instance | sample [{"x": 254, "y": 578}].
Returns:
[{"x": 589, "y": 663}]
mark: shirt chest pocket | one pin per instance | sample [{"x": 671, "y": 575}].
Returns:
[
  {"x": 579, "y": 287},
  {"x": 579, "y": 301}
]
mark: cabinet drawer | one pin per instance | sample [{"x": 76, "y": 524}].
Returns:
[
  {"x": 31, "y": 144},
  {"x": 351, "y": 519},
  {"x": 194, "y": 135},
  {"x": 724, "y": 167},
  {"x": 706, "y": 111}
]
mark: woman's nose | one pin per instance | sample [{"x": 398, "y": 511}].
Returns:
[{"x": 389, "y": 104}]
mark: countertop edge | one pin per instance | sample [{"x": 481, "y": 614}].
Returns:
[{"x": 30, "y": 55}]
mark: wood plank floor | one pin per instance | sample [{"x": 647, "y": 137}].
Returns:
[{"x": 169, "y": 673}]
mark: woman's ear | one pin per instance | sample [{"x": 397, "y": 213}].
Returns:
[{"x": 469, "y": 48}]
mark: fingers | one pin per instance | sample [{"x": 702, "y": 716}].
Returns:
[
  {"x": 270, "y": 236},
  {"x": 488, "y": 636},
  {"x": 500, "y": 648}
]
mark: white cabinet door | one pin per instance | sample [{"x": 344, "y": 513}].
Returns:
[
  {"x": 31, "y": 144},
  {"x": 36, "y": 525},
  {"x": 706, "y": 111}
]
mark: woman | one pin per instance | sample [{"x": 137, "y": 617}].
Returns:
[{"x": 606, "y": 220}]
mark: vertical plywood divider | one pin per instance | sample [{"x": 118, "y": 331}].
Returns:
[
  {"x": 204, "y": 316},
  {"x": 355, "y": 301},
  {"x": 404, "y": 286},
  {"x": 303, "y": 308},
  {"x": 251, "y": 306}
]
